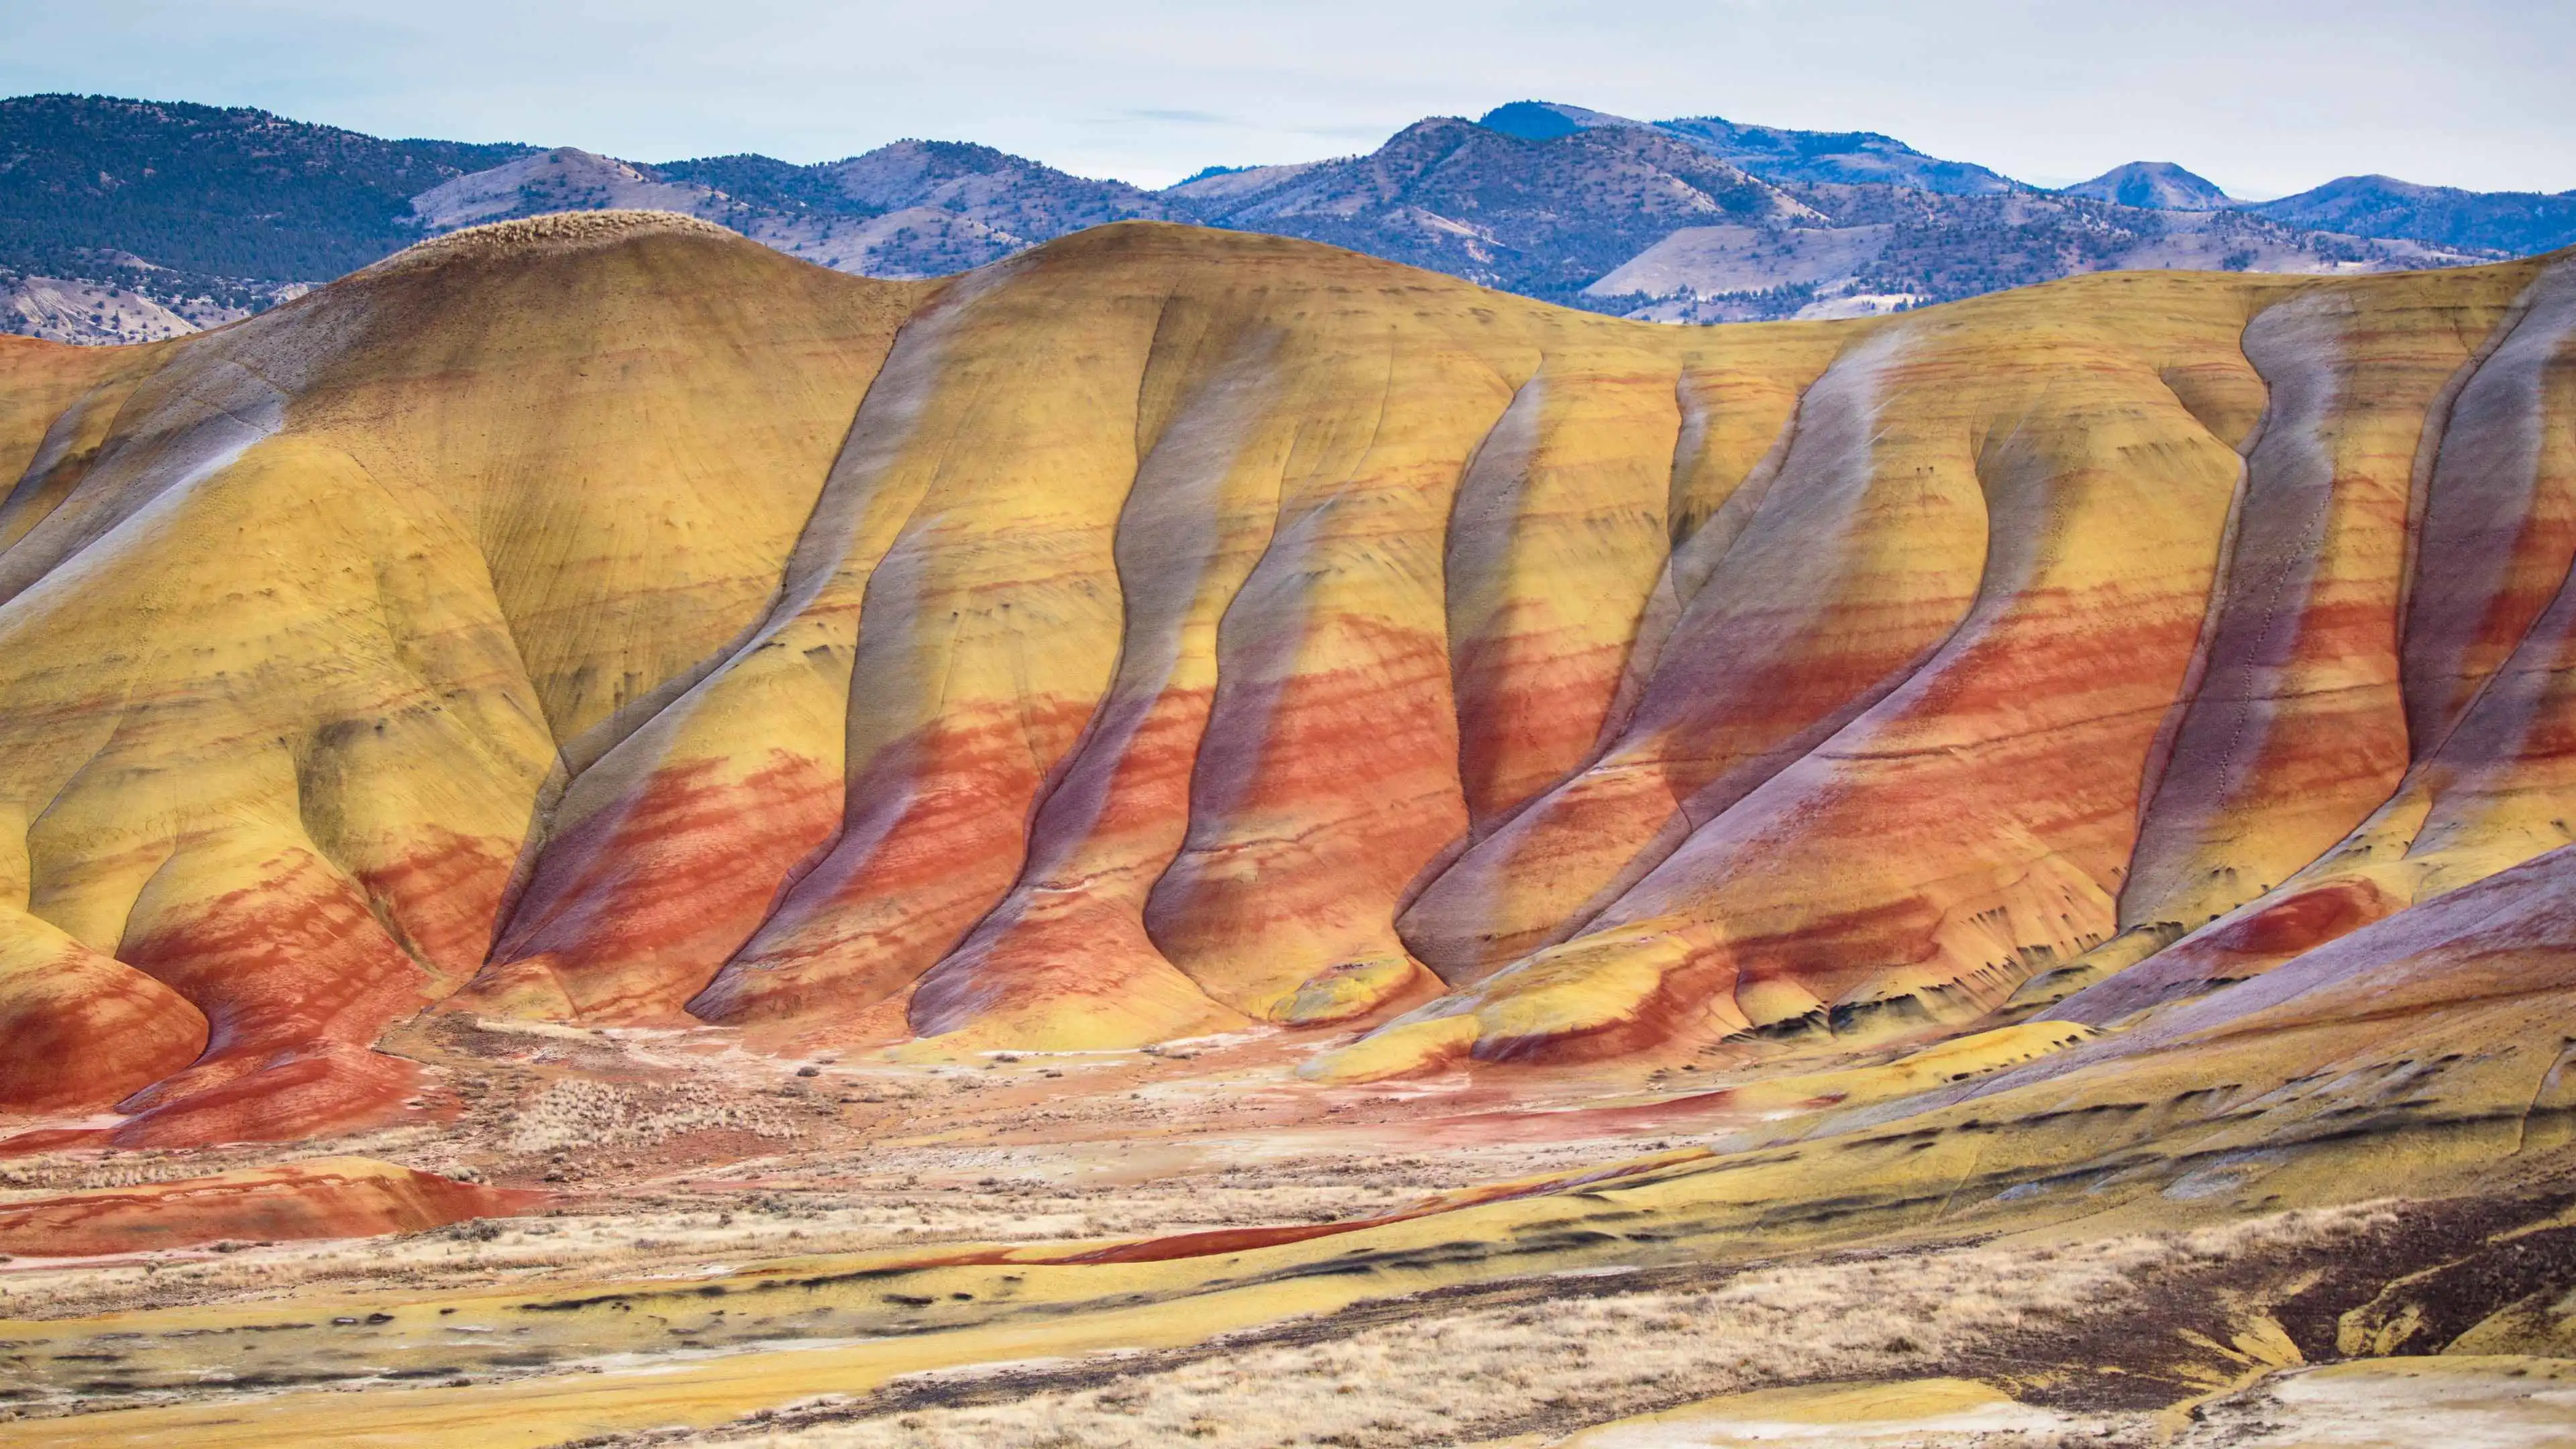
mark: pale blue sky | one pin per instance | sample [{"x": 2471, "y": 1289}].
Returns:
[{"x": 2263, "y": 97}]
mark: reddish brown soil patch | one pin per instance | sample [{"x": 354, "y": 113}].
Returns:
[{"x": 335, "y": 1197}]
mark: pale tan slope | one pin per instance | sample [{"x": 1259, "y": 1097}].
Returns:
[
  {"x": 670, "y": 850},
  {"x": 1739, "y": 411}
]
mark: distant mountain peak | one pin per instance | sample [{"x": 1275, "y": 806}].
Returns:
[
  {"x": 2157, "y": 185},
  {"x": 566, "y": 178},
  {"x": 2511, "y": 221},
  {"x": 126, "y": 220},
  {"x": 1773, "y": 153},
  {"x": 1546, "y": 120},
  {"x": 1846, "y": 158}
]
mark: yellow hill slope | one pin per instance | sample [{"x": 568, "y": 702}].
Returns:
[
  {"x": 601, "y": 618},
  {"x": 294, "y": 668}
]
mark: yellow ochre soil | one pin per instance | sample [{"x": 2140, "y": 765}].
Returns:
[{"x": 607, "y": 837}]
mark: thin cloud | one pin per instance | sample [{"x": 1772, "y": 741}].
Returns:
[{"x": 1185, "y": 118}]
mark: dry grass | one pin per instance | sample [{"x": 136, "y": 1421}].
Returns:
[
  {"x": 1452, "y": 1376},
  {"x": 890, "y": 1198},
  {"x": 673, "y": 1154},
  {"x": 577, "y": 1112},
  {"x": 555, "y": 231}
]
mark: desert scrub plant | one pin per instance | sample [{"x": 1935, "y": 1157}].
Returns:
[
  {"x": 556, "y": 231},
  {"x": 577, "y": 1112}
]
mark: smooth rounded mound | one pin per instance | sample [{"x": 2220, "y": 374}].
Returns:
[
  {"x": 329, "y": 1197},
  {"x": 560, "y": 231},
  {"x": 78, "y": 1030}
]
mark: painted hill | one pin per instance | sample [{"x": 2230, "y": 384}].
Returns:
[
  {"x": 2020, "y": 841},
  {"x": 1198, "y": 629},
  {"x": 489, "y": 578},
  {"x": 2159, "y": 185}
]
